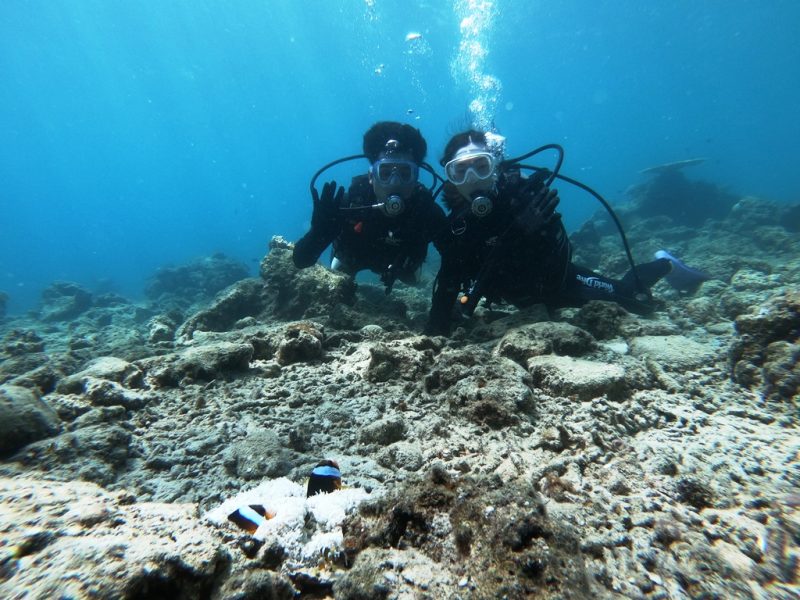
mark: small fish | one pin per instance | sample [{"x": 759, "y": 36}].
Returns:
[
  {"x": 325, "y": 478},
  {"x": 410, "y": 111},
  {"x": 413, "y": 35},
  {"x": 250, "y": 517}
]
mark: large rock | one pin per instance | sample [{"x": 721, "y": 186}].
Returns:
[
  {"x": 19, "y": 364},
  {"x": 302, "y": 342},
  {"x": 781, "y": 371},
  {"x": 750, "y": 212},
  {"x": 294, "y": 293},
  {"x": 107, "y": 368},
  {"x": 196, "y": 281},
  {"x": 24, "y": 418},
  {"x": 206, "y": 363},
  {"x": 582, "y": 379},
  {"x": 63, "y": 301},
  {"x": 383, "y": 431},
  {"x": 687, "y": 201},
  {"x": 261, "y": 454},
  {"x": 485, "y": 389},
  {"x": 245, "y": 298},
  {"x": 399, "y": 359},
  {"x": 24, "y": 362},
  {"x": 497, "y": 532},
  {"x": 97, "y": 450},
  {"x": 673, "y": 352},
  {"x": 75, "y": 540},
  {"x": 765, "y": 354},
  {"x": 604, "y": 320},
  {"x": 21, "y": 341},
  {"x": 544, "y": 338}
]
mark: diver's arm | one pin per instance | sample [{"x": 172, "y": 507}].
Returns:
[
  {"x": 437, "y": 227},
  {"x": 439, "y": 318},
  {"x": 308, "y": 248},
  {"x": 429, "y": 227},
  {"x": 445, "y": 291},
  {"x": 326, "y": 223}
]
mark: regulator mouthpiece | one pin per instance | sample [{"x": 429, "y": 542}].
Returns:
[
  {"x": 393, "y": 205},
  {"x": 481, "y": 206}
]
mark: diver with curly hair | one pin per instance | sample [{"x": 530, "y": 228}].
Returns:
[{"x": 385, "y": 220}]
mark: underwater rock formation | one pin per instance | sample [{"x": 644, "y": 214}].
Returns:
[
  {"x": 24, "y": 418},
  {"x": 584, "y": 452},
  {"x": 198, "y": 363},
  {"x": 522, "y": 343},
  {"x": 670, "y": 193},
  {"x": 496, "y": 532},
  {"x": 195, "y": 282},
  {"x": 63, "y": 301},
  {"x": 767, "y": 353},
  {"x": 107, "y": 542},
  {"x": 245, "y": 298},
  {"x": 294, "y": 293}
]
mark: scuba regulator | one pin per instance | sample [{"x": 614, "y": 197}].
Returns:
[
  {"x": 392, "y": 177},
  {"x": 481, "y": 205}
]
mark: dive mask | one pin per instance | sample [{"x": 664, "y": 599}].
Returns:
[
  {"x": 393, "y": 179},
  {"x": 392, "y": 171},
  {"x": 472, "y": 170},
  {"x": 470, "y": 167}
]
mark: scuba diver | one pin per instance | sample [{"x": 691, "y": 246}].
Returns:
[
  {"x": 386, "y": 219},
  {"x": 505, "y": 241}
]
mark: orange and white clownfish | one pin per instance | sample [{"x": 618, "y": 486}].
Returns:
[{"x": 250, "y": 517}]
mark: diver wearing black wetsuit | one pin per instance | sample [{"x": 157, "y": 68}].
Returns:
[
  {"x": 506, "y": 242},
  {"x": 385, "y": 220}
]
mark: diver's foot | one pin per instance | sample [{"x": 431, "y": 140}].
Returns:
[{"x": 682, "y": 277}]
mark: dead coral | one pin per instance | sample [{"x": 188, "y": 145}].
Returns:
[{"x": 497, "y": 533}]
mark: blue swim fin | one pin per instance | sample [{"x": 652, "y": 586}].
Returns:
[{"x": 682, "y": 277}]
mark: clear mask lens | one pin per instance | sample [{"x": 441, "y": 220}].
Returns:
[{"x": 479, "y": 166}]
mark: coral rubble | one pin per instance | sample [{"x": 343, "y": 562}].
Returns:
[{"x": 588, "y": 453}]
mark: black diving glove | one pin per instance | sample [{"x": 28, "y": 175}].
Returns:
[
  {"x": 538, "y": 211},
  {"x": 326, "y": 207}
]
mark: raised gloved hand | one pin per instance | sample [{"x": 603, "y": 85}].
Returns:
[
  {"x": 326, "y": 206},
  {"x": 538, "y": 211}
]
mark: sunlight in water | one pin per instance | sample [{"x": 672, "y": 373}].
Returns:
[{"x": 468, "y": 65}]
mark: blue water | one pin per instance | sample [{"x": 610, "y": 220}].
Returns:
[{"x": 139, "y": 134}]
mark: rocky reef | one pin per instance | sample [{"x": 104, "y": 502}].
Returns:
[{"x": 588, "y": 453}]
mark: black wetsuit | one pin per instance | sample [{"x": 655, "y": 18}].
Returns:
[
  {"x": 496, "y": 257},
  {"x": 392, "y": 247}
]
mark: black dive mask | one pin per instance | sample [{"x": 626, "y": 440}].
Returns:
[{"x": 393, "y": 180}]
